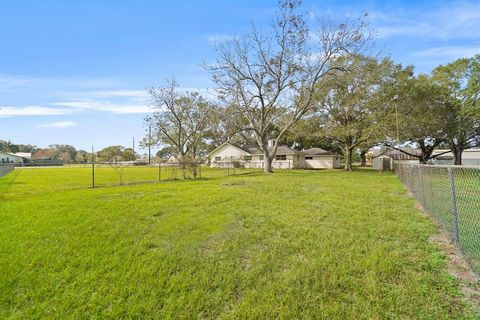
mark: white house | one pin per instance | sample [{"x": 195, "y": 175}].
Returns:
[
  {"x": 229, "y": 154},
  {"x": 470, "y": 157},
  {"x": 10, "y": 158}
]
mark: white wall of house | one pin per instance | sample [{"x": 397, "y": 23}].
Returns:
[
  {"x": 471, "y": 157},
  {"x": 223, "y": 156},
  {"x": 227, "y": 153},
  {"x": 6, "y": 157},
  {"x": 322, "y": 162}
]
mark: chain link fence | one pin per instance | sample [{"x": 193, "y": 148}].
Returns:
[
  {"x": 6, "y": 168},
  {"x": 38, "y": 179},
  {"x": 451, "y": 194}
]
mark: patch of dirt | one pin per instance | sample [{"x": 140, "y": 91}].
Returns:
[{"x": 457, "y": 265}]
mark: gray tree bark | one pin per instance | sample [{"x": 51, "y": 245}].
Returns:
[{"x": 348, "y": 159}]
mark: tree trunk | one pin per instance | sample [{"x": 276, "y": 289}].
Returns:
[
  {"x": 348, "y": 159},
  {"x": 363, "y": 156},
  {"x": 267, "y": 163},
  {"x": 457, "y": 152},
  {"x": 457, "y": 157}
]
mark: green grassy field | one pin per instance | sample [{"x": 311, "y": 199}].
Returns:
[{"x": 296, "y": 244}]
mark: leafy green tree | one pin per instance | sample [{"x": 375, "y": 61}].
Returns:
[
  {"x": 306, "y": 134},
  {"x": 64, "y": 152},
  {"x": 166, "y": 152},
  {"x": 82, "y": 156},
  {"x": 128, "y": 155},
  {"x": 460, "y": 82},
  {"x": 415, "y": 113},
  {"x": 348, "y": 108},
  {"x": 111, "y": 154},
  {"x": 10, "y": 147}
]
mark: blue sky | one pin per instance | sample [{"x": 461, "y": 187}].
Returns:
[{"x": 75, "y": 72}]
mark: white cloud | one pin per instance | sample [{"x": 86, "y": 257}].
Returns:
[
  {"x": 454, "y": 20},
  {"x": 105, "y": 106},
  {"x": 7, "y": 82},
  {"x": 450, "y": 52},
  {"x": 33, "y": 111},
  {"x": 59, "y": 125},
  {"x": 214, "y": 38},
  {"x": 120, "y": 93}
]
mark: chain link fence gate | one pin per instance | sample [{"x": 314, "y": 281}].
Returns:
[{"x": 451, "y": 194}]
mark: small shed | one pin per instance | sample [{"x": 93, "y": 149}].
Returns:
[{"x": 383, "y": 163}]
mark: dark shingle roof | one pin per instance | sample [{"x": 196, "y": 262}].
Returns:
[
  {"x": 399, "y": 155},
  {"x": 317, "y": 152},
  {"x": 252, "y": 149}
]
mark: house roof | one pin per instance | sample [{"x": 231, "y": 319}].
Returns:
[
  {"x": 41, "y": 154},
  {"x": 6, "y": 154},
  {"x": 224, "y": 144},
  {"x": 23, "y": 154},
  {"x": 254, "y": 150},
  {"x": 318, "y": 152},
  {"x": 399, "y": 155}
]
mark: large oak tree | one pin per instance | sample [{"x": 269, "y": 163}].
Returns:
[{"x": 460, "y": 81}]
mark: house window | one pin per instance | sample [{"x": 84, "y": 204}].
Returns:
[
  {"x": 247, "y": 158},
  {"x": 308, "y": 158},
  {"x": 260, "y": 158},
  {"x": 281, "y": 157},
  {"x": 218, "y": 158}
]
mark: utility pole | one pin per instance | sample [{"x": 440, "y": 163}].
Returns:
[
  {"x": 93, "y": 168},
  {"x": 133, "y": 145}
]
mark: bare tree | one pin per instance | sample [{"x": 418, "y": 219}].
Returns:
[
  {"x": 272, "y": 78},
  {"x": 180, "y": 119}
]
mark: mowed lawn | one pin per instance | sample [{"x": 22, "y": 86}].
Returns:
[{"x": 293, "y": 244}]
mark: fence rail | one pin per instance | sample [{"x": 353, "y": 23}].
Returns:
[{"x": 451, "y": 194}]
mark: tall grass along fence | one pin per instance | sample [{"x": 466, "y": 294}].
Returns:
[
  {"x": 6, "y": 168},
  {"x": 451, "y": 194}
]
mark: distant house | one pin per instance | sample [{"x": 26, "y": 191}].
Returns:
[
  {"x": 41, "y": 154},
  {"x": 172, "y": 160},
  {"x": 286, "y": 158},
  {"x": 10, "y": 158},
  {"x": 470, "y": 157},
  {"x": 25, "y": 155}
]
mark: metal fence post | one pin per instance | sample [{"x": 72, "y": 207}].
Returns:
[
  {"x": 93, "y": 168},
  {"x": 159, "y": 172},
  {"x": 422, "y": 185},
  {"x": 454, "y": 211}
]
